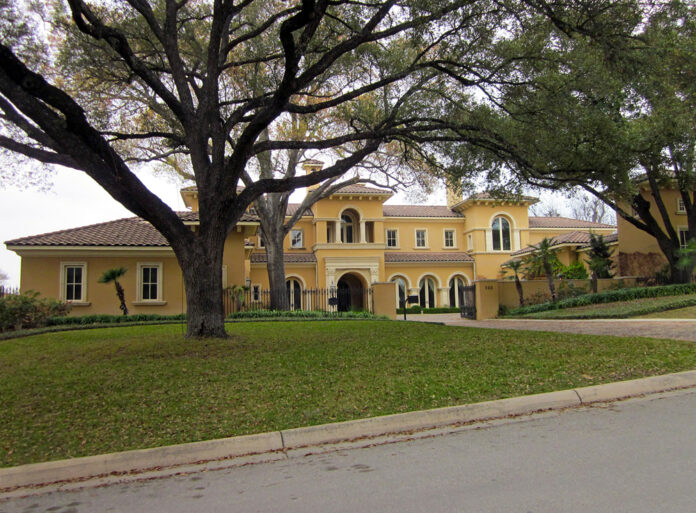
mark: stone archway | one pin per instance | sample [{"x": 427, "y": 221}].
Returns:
[{"x": 351, "y": 293}]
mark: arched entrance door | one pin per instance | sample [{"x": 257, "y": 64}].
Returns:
[{"x": 350, "y": 293}]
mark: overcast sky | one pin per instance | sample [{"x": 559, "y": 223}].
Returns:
[{"x": 76, "y": 200}]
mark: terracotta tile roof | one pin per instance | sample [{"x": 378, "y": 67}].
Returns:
[
  {"x": 292, "y": 208},
  {"x": 361, "y": 189},
  {"x": 564, "y": 222},
  {"x": 581, "y": 239},
  {"x": 489, "y": 196},
  {"x": 419, "y": 211},
  {"x": 390, "y": 257},
  {"x": 130, "y": 231},
  {"x": 288, "y": 258}
]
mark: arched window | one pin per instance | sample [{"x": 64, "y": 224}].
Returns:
[
  {"x": 347, "y": 228},
  {"x": 456, "y": 291},
  {"x": 427, "y": 292},
  {"x": 501, "y": 234},
  {"x": 401, "y": 292},
  {"x": 294, "y": 291}
]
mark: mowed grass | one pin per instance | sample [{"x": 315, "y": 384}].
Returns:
[
  {"x": 617, "y": 310},
  {"x": 80, "y": 393},
  {"x": 679, "y": 313}
]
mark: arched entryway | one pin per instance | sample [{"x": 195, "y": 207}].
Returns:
[{"x": 351, "y": 293}]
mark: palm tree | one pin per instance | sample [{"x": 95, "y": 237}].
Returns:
[
  {"x": 600, "y": 260},
  {"x": 516, "y": 267},
  {"x": 544, "y": 258},
  {"x": 113, "y": 275}
]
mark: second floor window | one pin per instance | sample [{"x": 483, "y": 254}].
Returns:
[
  {"x": 449, "y": 238},
  {"x": 681, "y": 208},
  {"x": 296, "y": 239},
  {"x": 421, "y": 239},
  {"x": 501, "y": 234},
  {"x": 347, "y": 228},
  {"x": 391, "y": 239}
]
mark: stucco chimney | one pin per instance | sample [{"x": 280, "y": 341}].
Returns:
[
  {"x": 312, "y": 166},
  {"x": 454, "y": 194}
]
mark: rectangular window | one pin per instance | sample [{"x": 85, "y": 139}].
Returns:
[
  {"x": 261, "y": 244},
  {"x": 150, "y": 282},
  {"x": 421, "y": 239},
  {"x": 296, "y": 239},
  {"x": 449, "y": 238},
  {"x": 74, "y": 280},
  {"x": 683, "y": 237},
  {"x": 681, "y": 208},
  {"x": 391, "y": 239}
]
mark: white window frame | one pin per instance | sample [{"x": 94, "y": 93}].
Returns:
[
  {"x": 396, "y": 237},
  {"x": 454, "y": 238},
  {"x": 63, "y": 283},
  {"x": 292, "y": 236},
  {"x": 425, "y": 238},
  {"x": 501, "y": 218},
  {"x": 681, "y": 207},
  {"x": 260, "y": 243},
  {"x": 139, "y": 287}
]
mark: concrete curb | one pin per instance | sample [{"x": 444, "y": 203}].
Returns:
[{"x": 129, "y": 462}]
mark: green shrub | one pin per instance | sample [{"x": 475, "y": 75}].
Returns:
[
  {"x": 609, "y": 296},
  {"x": 574, "y": 271},
  {"x": 418, "y": 309},
  {"x": 28, "y": 310},
  {"x": 539, "y": 297}
]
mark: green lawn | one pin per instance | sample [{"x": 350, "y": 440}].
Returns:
[
  {"x": 678, "y": 313},
  {"x": 78, "y": 393},
  {"x": 617, "y": 310}
]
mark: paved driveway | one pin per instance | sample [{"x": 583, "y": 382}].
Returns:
[{"x": 678, "y": 329}]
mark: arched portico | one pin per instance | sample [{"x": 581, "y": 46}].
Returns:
[{"x": 351, "y": 288}]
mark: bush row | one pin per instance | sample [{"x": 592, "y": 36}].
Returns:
[
  {"x": 299, "y": 314},
  {"x": 420, "y": 309},
  {"x": 620, "y": 314},
  {"x": 110, "y": 319},
  {"x": 609, "y": 296}
]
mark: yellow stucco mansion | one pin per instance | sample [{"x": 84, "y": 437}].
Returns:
[{"x": 350, "y": 240}]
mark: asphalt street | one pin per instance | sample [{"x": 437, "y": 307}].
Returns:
[{"x": 632, "y": 456}]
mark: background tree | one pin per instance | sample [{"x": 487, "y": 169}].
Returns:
[
  {"x": 611, "y": 111},
  {"x": 591, "y": 208},
  {"x": 112, "y": 275},
  {"x": 170, "y": 82}
]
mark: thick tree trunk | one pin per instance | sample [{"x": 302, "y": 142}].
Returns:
[
  {"x": 593, "y": 282},
  {"x": 276, "y": 273},
  {"x": 202, "y": 271}
]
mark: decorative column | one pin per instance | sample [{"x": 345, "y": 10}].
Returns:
[
  {"x": 337, "y": 237},
  {"x": 444, "y": 296},
  {"x": 363, "y": 239}
]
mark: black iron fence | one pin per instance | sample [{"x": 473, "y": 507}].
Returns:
[
  {"x": 8, "y": 291},
  {"x": 326, "y": 300},
  {"x": 467, "y": 302}
]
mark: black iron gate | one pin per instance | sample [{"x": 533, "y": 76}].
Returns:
[{"x": 467, "y": 302}]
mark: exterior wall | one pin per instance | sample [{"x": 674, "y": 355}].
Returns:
[
  {"x": 43, "y": 274},
  {"x": 435, "y": 233}
]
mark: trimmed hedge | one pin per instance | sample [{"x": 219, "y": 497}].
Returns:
[
  {"x": 111, "y": 319},
  {"x": 607, "y": 313},
  {"x": 609, "y": 296},
  {"x": 300, "y": 314},
  {"x": 417, "y": 309}
]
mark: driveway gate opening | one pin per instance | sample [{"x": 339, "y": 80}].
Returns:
[{"x": 467, "y": 302}]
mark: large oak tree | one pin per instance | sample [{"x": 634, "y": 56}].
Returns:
[{"x": 178, "y": 82}]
